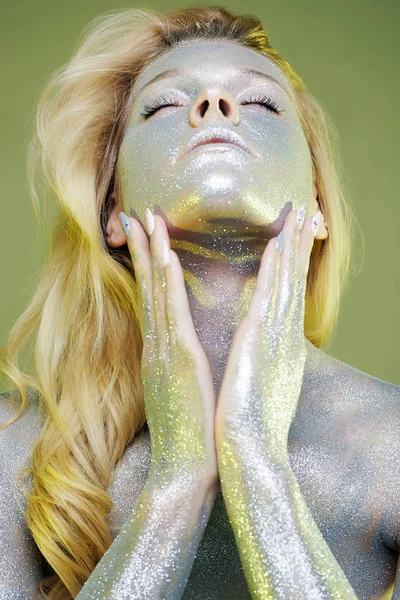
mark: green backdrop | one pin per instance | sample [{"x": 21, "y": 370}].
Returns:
[{"x": 346, "y": 51}]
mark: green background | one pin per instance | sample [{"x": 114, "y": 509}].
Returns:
[{"x": 347, "y": 53}]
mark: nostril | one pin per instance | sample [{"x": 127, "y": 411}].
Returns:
[
  {"x": 224, "y": 107},
  {"x": 204, "y": 107}
]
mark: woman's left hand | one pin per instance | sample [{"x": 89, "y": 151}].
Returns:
[{"x": 264, "y": 372}]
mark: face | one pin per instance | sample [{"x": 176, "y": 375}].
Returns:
[{"x": 253, "y": 163}]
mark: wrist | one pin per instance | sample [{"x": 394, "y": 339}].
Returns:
[
  {"x": 195, "y": 475},
  {"x": 236, "y": 458}
]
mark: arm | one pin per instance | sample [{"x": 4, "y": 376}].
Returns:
[
  {"x": 153, "y": 554},
  {"x": 281, "y": 548}
]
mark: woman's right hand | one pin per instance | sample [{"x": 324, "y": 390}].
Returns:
[{"x": 179, "y": 393}]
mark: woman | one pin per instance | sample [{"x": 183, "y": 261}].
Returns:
[{"x": 176, "y": 347}]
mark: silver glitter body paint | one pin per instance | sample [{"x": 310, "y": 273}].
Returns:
[
  {"x": 343, "y": 449},
  {"x": 221, "y": 204},
  {"x": 218, "y": 188}
]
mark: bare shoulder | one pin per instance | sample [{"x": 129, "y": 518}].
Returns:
[
  {"x": 346, "y": 382},
  {"x": 359, "y": 417},
  {"x": 20, "y": 568},
  {"x": 20, "y": 435},
  {"x": 10, "y": 402},
  {"x": 18, "y": 438},
  {"x": 351, "y": 397}
]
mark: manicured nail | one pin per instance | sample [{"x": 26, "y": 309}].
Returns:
[
  {"x": 150, "y": 220},
  {"x": 125, "y": 223},
  {"x": 315, "y": 222},
  {"x": 279, "y": 241},
  {"x": 165, "y": 252},
  {"x": 301, "y": 213}
]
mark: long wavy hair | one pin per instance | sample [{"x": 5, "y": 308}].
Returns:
[{"x": 84, "y": 311}]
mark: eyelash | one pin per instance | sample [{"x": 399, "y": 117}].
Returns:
[
  {"x": 155, "y": 105},
  {"x": 266, "y": 101}
]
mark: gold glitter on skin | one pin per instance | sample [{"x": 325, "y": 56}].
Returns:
[
  {"x": 207, "y": 184},
  {"x": 154, "y": 552},
  {"x": 220, "y": 199},
  {"x": 247, "y": 192},
  {"x": 342, "y": 448},
  {"x": 282, "y": 550}
]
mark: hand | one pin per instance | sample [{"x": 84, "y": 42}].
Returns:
[
  {"x": 178, "y": 387},
  {"x": 264, "y": 372}
]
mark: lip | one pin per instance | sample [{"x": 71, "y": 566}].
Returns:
[{"x": 218, "y": 136}]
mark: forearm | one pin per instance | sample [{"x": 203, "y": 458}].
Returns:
[
  {"x": 283, "y": 553},
  {"x": 152, "y": 556}
]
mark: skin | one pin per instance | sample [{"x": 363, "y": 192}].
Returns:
[
  {"x": 190, "y": 192},
  {"x": 322, "y": 521},
  {"x": 154, "y": 144},
  {"x": 283, "y": 553}
]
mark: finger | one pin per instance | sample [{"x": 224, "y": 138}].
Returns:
[
  {"x": 181, "y": 327},
  {"x": 266, "y": 272},
  {"x": 275, "y": 295},
  {"x": 261, "y": 304},
  {"x": 306, "y": 244},
  {"x": 288, "y": 271},
  {"x": 158, "y": 278},
  {"x": 179, "y": 319},
  {"x": 139, "y": 249}
]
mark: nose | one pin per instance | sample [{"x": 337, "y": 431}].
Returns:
[{"x": 211, "y": 103}]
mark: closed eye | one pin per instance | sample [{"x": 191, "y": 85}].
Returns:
[
  {"x": 155, "y": 105},
  {"x": 152, "y": 107},
  {"x": 265, "y": 101}
]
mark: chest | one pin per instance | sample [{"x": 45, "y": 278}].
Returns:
[{"x": 333, "y": 485}]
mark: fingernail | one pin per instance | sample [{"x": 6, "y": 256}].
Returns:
[
  {"x": 125, "y": 223},
  {"x": 301, "y": 213},
  {"x": 279, "y": 242},
  {"x": 150, "y": 220},
  {"x": 315, "y": 222},
  {"x": 165, "y": 252}
]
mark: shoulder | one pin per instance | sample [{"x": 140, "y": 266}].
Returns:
[
  {"x": 29, "y": 422},
  {"x": 18, "y": 438},
  {"x": 342, "y": 403},
  {"x": 20, "y": 568},
  {"x": 364, "y": 412},
  {"x": 347, "y": 391},
  {"x": 368, "y": 410},
  {"x": 357, "y": 386}
]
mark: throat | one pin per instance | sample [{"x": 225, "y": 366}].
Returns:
[{"x": 219, "y": 294}]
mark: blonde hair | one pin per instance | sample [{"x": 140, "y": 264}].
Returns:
[{"x": 84, "y": 310}]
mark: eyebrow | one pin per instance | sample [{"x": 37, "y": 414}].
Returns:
[{"x": 179, "y": 71}]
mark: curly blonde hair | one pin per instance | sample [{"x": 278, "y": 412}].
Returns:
[{"x": 84, "y": 310}]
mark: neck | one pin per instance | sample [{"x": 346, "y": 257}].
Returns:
[{"x": 219, "y": 292}]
